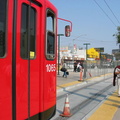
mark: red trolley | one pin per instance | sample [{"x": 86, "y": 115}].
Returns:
[{"x": 28, "y": 30}]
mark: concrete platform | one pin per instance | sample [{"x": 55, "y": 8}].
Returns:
[{"x": 108, "y": 110}]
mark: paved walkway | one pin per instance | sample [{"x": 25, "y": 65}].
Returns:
[{"x": 72, "y": 80}]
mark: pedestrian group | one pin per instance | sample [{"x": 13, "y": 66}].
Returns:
[{"x": 78, "y": 67}]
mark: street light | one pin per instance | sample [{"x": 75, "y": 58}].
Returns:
[
  {"x": 73, "y": 45},
  {"x": 59, "y": 50},
  {"x": 77, "y": 38}
]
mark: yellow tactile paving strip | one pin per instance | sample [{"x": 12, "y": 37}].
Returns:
[
  {"x": 76, "y": 82},
  {"x": 107, "y": 110},
  {"x": 71, "y": 83}
]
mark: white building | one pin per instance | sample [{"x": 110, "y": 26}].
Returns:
[{"x": 69, "y": 54}]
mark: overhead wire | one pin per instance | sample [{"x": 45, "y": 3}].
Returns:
[
  {"x": 112, "y": 11},
  {"x": 105, "y": 13}
]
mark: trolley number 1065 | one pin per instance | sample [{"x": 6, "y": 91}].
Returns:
[{"x": 50, "y": 68}]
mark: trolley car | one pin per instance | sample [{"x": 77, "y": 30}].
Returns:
[{"x": 28, "y": 31}]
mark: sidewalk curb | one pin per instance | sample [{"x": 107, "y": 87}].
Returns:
[{"x": 61, "y": 88}]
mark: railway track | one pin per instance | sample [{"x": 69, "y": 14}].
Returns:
[{"x": 85, "y": 99}]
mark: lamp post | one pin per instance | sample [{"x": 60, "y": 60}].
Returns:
[
  {"x": 59, "y": 50},
  {"x": 73, "y": 45},
  {"x": 76, "y": 38}
]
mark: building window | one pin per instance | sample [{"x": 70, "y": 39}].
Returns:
[{"x": 25, "y": 32}]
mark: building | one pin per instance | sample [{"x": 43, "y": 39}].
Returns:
[
  {"x": 116, "y": 53},
  {"x": 79, "y": 54}
]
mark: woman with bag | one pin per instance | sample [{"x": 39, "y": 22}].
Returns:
[{"x": 64, "y": 70}]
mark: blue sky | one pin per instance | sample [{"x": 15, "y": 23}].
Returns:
[{"x": 93, "y": 25}]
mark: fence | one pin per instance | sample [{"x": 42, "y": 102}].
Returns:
[{"x": 94, "y": 68}]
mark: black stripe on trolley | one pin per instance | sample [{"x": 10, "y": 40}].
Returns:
[
  {"x": 29, "y": 21},
  {"x": 14, "y": 62}
]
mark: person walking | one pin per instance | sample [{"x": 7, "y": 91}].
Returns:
[{"x": 116, "y": 76}]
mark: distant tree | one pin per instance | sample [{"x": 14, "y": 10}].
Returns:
[{"x": 117, "y": 35}]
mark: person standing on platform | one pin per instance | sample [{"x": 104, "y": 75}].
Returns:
[
  {"x": 75, "y": 66},
  {"x": 78, "y": 67},
  {"x": 116, "y": 76},
  {"x": 81, "y": 71}
]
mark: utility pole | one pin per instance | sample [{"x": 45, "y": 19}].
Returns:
[
  {"x": 86, "y": 48},
  {"x": 85, "y": 67},
  {"x": 59, "y": 50}
]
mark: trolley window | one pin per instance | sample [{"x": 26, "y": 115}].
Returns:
[
  {"x": 24, "y": 32},
  {"x": 50, "y": 35},
  {"x": 3, "y": 4}
]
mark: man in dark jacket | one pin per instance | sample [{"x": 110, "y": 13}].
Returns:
[{"x": 75, "y": 66}]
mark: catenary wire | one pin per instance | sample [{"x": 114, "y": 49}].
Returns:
[
  {"x": 111, "y": 11},
  {"x": 105, "y": 13}
]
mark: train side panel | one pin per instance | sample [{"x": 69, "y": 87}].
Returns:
[
  {"x": 6, "y": 8},
  {"x": 27, "y": 59}
]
